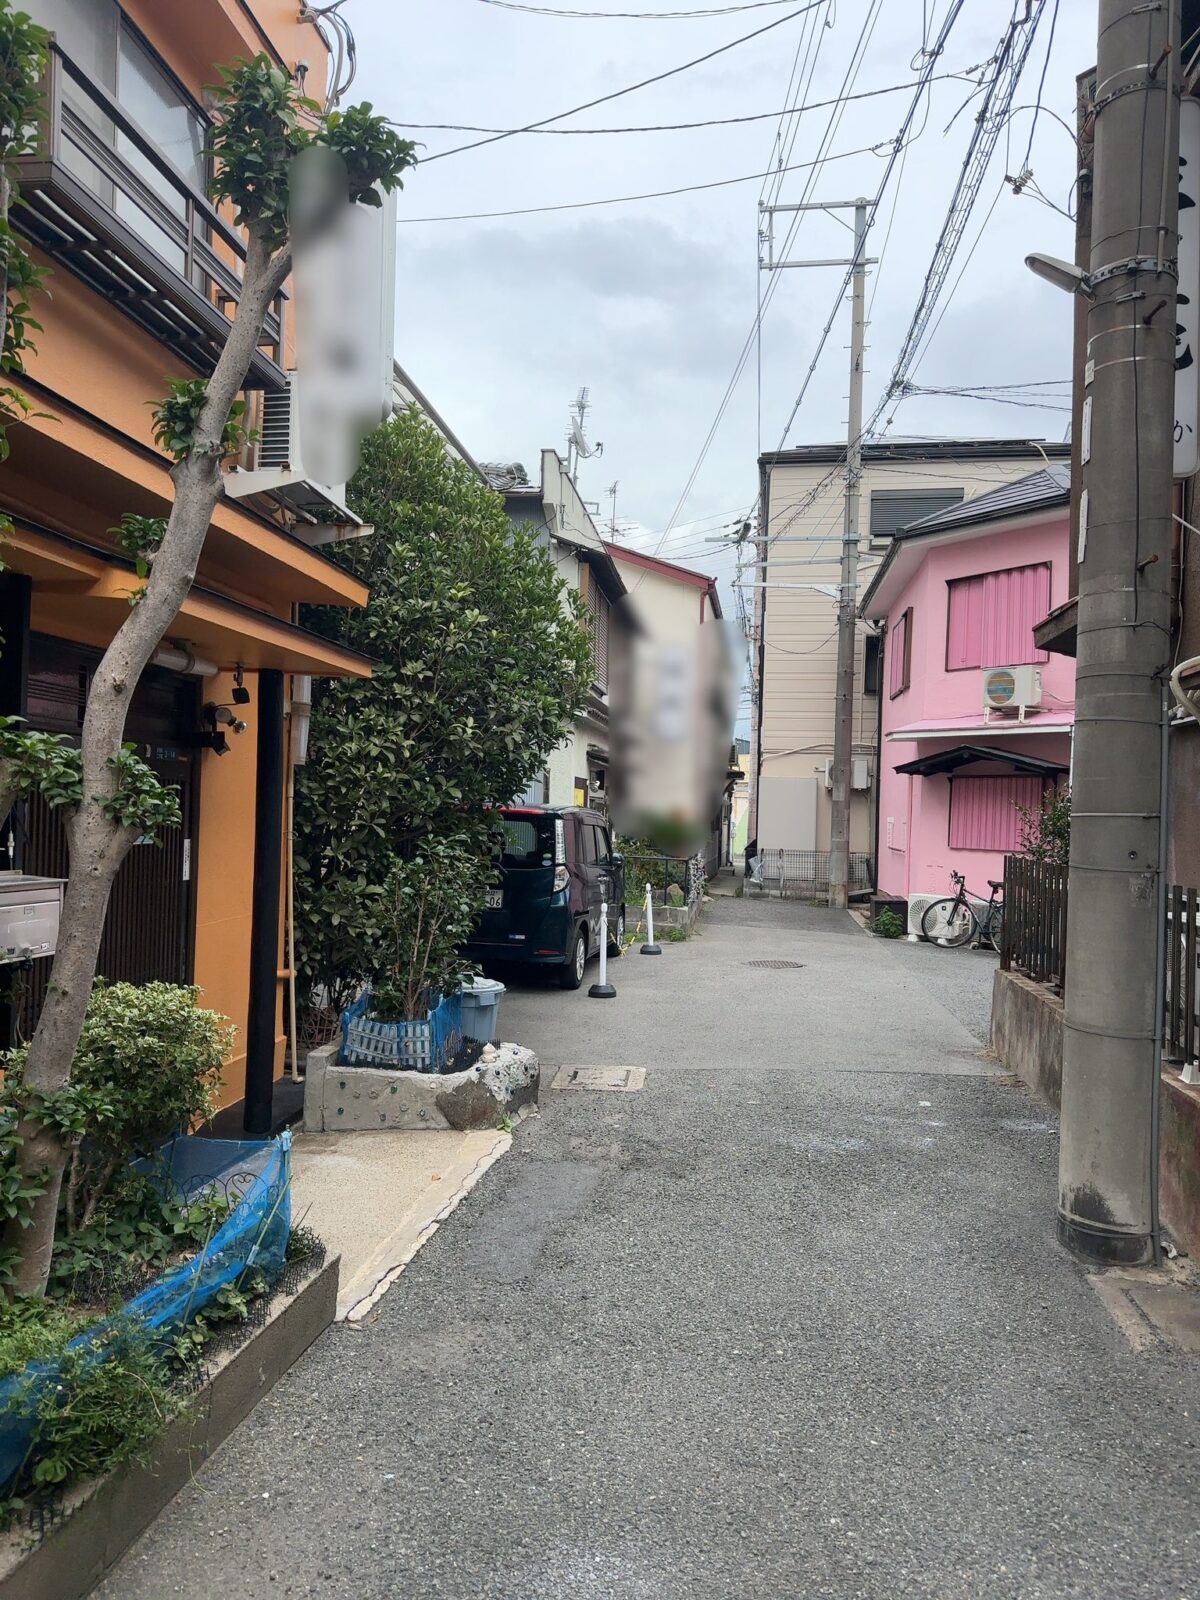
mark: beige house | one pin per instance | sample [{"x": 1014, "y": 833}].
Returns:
[{"x": 794, "y": 641}]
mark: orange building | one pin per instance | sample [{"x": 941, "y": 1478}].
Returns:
[{"x": 144, "y": 278}]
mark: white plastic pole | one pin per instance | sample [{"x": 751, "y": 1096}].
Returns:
[
  {"x": 650, "y": 948},
  {"x": 603, "y": 990}
]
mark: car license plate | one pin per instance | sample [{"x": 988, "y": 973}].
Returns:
[{"x": 495, "y": 899}]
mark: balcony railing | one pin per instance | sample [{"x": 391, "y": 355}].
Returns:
[{"x": 103, "y": 201}]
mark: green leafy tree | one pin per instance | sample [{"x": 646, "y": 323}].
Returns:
[
  {"x": 481, "y": 656},
  {"x": 261, "y": 123}
]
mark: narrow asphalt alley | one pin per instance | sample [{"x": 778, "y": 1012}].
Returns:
[{"x": 790, "y": 1321}]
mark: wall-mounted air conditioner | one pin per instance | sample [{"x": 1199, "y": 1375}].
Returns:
[
  {"x": 860, "y": 773},
  {"x": 279, "y": 471},
  {"x": 1012, "y": 689}
]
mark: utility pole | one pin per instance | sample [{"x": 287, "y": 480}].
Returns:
[
  {"x": 843, "y": 727},
  {"x": 1108, "y": 1201}
]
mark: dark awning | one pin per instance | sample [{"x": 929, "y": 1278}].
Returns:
[{"x": 966, "y": 755}]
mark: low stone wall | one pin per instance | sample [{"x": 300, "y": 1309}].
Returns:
[
  {"x": 338, "y": 1099},
  {"x": 1027, "y": 1028},
  {"x": 1027, "y": 1023},
  {"x": 1179, "y": 1159}
]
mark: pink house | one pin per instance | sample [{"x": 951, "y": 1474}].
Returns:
[{"x": 957, "y": 598}]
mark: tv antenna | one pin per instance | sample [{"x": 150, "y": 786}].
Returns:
[
  {"x": 611, "y": 492},
  {"x": 578, "y": 449}
]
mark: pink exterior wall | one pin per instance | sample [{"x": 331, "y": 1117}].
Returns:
[{"x": 915, "y": 853}]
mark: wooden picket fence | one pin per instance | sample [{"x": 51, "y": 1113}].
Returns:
[{"x": 1034, "y": 941}]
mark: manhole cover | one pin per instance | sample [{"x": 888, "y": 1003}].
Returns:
[
  {"x": 778, "y": 966},
  {"x": 621, "y": 1080}
]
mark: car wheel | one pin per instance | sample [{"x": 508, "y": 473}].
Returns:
[
  {"x": 616, "y": 937},
  {"x": 571, "y": 975}
]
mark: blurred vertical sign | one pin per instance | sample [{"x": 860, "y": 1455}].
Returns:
[
  {"x": 344, "y": 279},
  {"x": 1187, "y": 317}
]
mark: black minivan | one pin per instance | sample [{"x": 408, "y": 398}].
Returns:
[{"x": 558, "y": 867}]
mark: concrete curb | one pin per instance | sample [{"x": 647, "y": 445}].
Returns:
[
  {"x": 363, "y": 1292},
  {"x": 104, "y": 1517}
]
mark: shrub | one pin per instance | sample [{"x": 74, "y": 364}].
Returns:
[
  {"x": 148, "y": 1064},
  {"x": 887, "y": 924},
  {"x": 1046, "y": 832},
  {"x": 429, "y": 906}
]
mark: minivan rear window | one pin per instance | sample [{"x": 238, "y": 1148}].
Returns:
[{"x": 528, "y": 842}]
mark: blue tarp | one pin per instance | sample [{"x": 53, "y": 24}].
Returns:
[
  {"x": 427, "y": 1046},
  {"x": 257, "y": 1178}
]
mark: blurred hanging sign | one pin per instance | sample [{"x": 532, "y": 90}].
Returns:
[{"x": 1187, "y": 317}]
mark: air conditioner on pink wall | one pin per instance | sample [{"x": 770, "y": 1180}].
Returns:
[{"x": 1012, "y": 689}]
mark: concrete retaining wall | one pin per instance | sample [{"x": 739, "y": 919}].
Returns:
[{"x": 1027, "y": 1025}]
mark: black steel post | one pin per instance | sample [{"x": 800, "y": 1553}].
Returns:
[{"x": 264, "y": 937}]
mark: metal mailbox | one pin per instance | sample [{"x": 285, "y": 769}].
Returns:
[{"x": 29, "y": 913}]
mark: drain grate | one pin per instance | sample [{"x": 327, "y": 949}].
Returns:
[
  {"x": 621, "y": 1080},
  {"x": 778, "y": 966}
]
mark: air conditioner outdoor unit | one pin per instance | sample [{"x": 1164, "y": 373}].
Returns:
[
  {"x": 860, "y": 773},
  {"x": 279, "y": 470},
  {"x": 1016, "y": 689}
]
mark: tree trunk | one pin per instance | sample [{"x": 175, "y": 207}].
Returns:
[{"x": 98, "y": 845}]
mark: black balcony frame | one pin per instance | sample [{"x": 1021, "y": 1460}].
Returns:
[{"x": 77, "y": 228}]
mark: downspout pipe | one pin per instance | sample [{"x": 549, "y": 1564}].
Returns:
[{"x": 264, "y": 937}]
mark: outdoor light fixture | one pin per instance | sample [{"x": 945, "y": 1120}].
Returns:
[
  {"x": 214, "y": 718},
  {"x": 241, "y": 695},
  {"x": 1063, "y": 275}
]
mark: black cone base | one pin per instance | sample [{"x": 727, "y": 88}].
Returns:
[{"x": 602, "y": 991}]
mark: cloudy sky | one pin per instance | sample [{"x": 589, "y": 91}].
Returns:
[{"x": 501, "y": 319}]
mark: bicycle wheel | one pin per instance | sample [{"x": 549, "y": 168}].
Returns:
[
  {"x": 992, "y": 929},
  {"x": 949, "y": 922}
]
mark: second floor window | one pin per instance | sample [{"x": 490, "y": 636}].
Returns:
[
  {"x": 599, "y": 624},
  {"x": 991, "y": 618},
  {"x": 899, "y": 654}
]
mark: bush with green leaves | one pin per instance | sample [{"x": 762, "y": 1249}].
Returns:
[
  {"x": 887, "y": 924},
  {"x": 147, "y": 1066},
  {"x": 1046, "y": 830},
  {"x": 480, "y": 658},
  {"x": 428, "y": 907}
]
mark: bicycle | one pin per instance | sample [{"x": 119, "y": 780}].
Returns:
[{"x": 953, "y": 922}]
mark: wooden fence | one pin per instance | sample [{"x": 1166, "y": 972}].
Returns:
[
  {"x": 1034, "y": 941},
  {"x": 1181, "y": 1023}
]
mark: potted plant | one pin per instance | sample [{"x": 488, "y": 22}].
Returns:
[{"x": 410, "y": 1014}]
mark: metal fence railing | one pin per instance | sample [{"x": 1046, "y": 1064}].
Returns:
[
  {"x": 1034, "y": 941},
  {"x": 804, "y": 874},
  {"x": 1181, "y": 1003}
]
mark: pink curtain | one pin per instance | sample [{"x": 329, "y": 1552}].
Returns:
[{"x": 991, "y": 618}]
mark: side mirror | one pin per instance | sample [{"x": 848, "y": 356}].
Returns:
[{"x": 618, "y": 860}]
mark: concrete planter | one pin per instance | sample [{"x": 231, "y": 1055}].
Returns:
[
  {"x": 102, "y": 1519},
  {"x": 364, "y": 1099}
]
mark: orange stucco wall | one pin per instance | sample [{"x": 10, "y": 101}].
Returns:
[{"x": 224, "y": 877}]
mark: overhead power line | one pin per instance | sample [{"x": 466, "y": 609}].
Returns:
[
  {"x": 659, "y": 77},
  {"x": 626, "y": 199},
  {"x": 673, "y": 127},
  {"x": 633, "y": 16}
]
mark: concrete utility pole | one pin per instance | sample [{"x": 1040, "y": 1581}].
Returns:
[
  {"x": 843, "y": 736},
  {"x": 843, "y": 727},
  {"x": 1108, "y": 1203}
]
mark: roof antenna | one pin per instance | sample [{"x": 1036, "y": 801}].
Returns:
[{"x": 578, "y": 449}]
